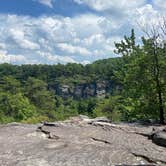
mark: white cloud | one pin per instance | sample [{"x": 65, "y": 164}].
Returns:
[
  {"x": 19, "y": 37},
  {"x": 85, "y": 62},
  {"x": 5, "y": 57},
  {"x": 161, "y": 4},
  {"x": 101, "y": 5},
  {"x": 60, "y": 39},
  {"x": 147, "y": 15},
  {"x": 16, "y": 59},
  {"x": 85, "y": 25},
  {"x": 48, "y": 3},
  {"x": 73, "y": 49},
  {"x": 51, "y": 59},
  {"x": 81, "y": 38}
]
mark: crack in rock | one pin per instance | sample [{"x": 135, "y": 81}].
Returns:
[
  {"x": 48, "y": 133},
  {"x": 148, "y": 159},
  {"x": 101, "y": 140}
]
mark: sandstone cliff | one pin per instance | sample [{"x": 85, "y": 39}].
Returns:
[{"x": 85, "y": 90}]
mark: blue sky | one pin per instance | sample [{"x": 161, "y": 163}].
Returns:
[{"x": 75, "y": 31}]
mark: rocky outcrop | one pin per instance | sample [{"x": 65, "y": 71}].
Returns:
[
  {"x": 79, "y": 141},
  {"x": 159, "y": 137},
  {"x": 96, "y": 89}
]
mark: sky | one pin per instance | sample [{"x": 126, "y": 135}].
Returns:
[{"x": 70, "y": 31}]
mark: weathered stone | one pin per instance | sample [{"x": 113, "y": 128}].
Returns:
[
  {"x": 160, "y": 138},
  {"x": 78, "y": 91},
  {"x": 89, "y": 91},
  {"x": 65, "y": 91},
  {"x": 101, "y": 119},
  {"x": 71, "y": 144},
  {"x": 101, "y": 89},
  {"x": 84, "y": 90}
]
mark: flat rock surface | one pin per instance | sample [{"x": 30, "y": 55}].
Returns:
[{"x": 79, "y": 142}]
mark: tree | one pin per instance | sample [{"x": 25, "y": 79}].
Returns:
[
  {"x": 156, "y": 46},
  {"x": 16, "y": 106},
  {"x": 142, "y": 78},
  {"x": 153, "y": 49},
  {"x": 36, "y": 91},
  {"x": 10, "y": 84}
]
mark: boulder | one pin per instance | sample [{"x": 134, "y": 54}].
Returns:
[{"x": 160, "y": 138}]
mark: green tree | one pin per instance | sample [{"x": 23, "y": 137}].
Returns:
[
  {"x": 16, "y": 106},
  {"x": 142, "y": 77},
  {"x": 36, "y": 90},
  {"x": 10, "y": 84},
  {"x": 111, "y": 107}
]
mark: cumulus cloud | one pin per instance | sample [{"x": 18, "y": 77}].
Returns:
[
  {"x": 102, "y": 5},
  {"x": 48, "y": 3},
  {"x": 19, "y": 37},
  {"x": 73, "y": 49},
  {"x": 55, "y": 39},
  {"x": 52, "y": 59},
  {"x": 144, "y": 13},
  {"x": 79, "y": 39},
  {"x": 15, "y": 59}
]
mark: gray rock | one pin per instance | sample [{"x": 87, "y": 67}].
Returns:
[
  {"x": 71, "y": 144},
  {"x": 84, "y": 90},
  {"x": 89, "y": 91},
  {"x": 160, "y": 138},
  {"x": 102, "y": 119}
]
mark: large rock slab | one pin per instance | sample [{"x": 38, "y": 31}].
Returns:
[{"x": 79, "y": 141}]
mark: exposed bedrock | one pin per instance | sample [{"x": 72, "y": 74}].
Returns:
[
  {"x": 85, "y": 90},
  {"x": 81, "y": 141}
]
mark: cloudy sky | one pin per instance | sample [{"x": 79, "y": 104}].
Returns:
[{"x": 75, "y": 31}]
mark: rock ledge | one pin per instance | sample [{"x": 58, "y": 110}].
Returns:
[{"x": 81, "y": 141}]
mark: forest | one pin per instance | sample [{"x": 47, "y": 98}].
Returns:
[{"x": 137, "y": 90}]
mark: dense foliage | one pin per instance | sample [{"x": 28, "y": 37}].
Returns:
[
  {"x": 26, "y": 93},
  {"x": 143, "y": 75}
]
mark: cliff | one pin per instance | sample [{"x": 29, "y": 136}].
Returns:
[{"x": 85, "y": 90}]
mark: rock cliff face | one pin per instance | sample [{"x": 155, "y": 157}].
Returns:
[
  {"x": 85, "y": 90},
  {"x": 81, "y": 141}
]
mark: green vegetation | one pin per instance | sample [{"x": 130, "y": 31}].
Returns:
[
  {"x": 143, "y": 75},
  {"x": 27, "y": 92}
]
